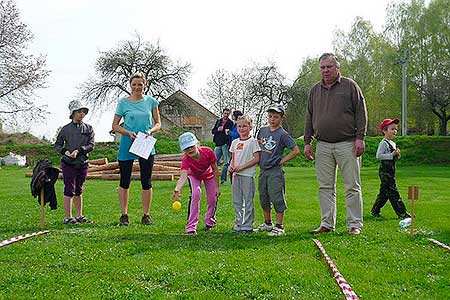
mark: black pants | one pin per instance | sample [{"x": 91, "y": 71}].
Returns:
[
  {"x": 389, "y": 191},
  {"x": 146, "y": 166}
]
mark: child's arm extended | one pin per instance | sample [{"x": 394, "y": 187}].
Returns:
[
  {"x": 295, "y": 151},
  {"x": 248, "y": 164},
  {"x": 216, "y": 177},
  {"x": 180, "y": 183}
]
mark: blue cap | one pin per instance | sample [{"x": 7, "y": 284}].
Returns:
[{"x": 187, "y": 140}]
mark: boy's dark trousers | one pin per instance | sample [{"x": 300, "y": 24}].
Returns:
[{"x": 389, "y": 191}]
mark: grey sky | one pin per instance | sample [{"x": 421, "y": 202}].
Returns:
[{"x": 208, "y": 34}]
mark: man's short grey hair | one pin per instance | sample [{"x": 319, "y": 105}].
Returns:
[{"x": 334, "y": 57}]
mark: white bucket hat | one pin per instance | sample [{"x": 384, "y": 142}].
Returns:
[
  {"x": 76, "y": 105},
  {"x": 187, "y": 140}
]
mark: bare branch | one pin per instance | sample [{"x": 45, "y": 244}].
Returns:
[{"x": 20, "y": 74}]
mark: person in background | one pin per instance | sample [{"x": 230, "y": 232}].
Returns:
[
  {"x": 140, "y": 113},
  {"x": 233, "y": 134},
  {"x": 336, "y": 116},
  {"x": 388, "y": 153},
  {"x": 245, "y": 153},
  {"x": 198, "y": 164},
  {"x": 74, "y": 142},
  {"x": 274, "y": 140},
  {"x": 222, "y": 141}
]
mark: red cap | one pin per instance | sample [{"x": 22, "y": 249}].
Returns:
[{"x": 387, "y": 122}]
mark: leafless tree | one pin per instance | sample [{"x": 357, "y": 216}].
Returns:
[
  {"x": 219, "y": 91},
  {"x": 20, "y": 73},
  {"x": 251, "y": 90},
  {"x": 114, "y": 68}
]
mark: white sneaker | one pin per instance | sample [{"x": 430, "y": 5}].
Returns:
[
  {"x": 276, "y": 232},
  {"x": 264, "y": 227}
]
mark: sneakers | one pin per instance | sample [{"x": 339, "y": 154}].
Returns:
[
  {"x": 83, "y": 219},
  {"x": 70, "y": 221},
  {"x": 264, "y": 227},
  {"x": 146, "y": 220},
  {"x": 354, "y": 231},
  {"x": 208, "y": 228},
  {"x": 276, "y": 231},
  {"x": 124, "y": 220}
]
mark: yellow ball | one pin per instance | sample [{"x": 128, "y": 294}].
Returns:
[{"x": 176, "y": 205}]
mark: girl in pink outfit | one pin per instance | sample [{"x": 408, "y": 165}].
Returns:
[{"x": 198, "y": 164}]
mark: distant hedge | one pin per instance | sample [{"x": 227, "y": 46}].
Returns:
[{"x": 415, "y": 150}]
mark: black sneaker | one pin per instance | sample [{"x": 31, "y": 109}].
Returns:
[
  {"x": 146, "y": 220},
  {"x": 70, "y": 221},
  {"x": 124, "y": 220},
  {"x": 208, "y": 228}
]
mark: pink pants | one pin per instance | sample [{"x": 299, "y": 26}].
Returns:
[{"x": 194, "y": 203}]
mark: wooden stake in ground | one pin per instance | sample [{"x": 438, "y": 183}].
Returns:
[
  {"x": 42, "y": 208},
  {"x": 413, "y": 195}
]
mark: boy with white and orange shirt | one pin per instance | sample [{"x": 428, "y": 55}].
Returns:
[{"x": 244, "y": 157}]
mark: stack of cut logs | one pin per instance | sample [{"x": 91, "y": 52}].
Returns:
[{"x": 165, "y": 167}]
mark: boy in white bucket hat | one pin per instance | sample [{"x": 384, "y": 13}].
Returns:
[{"x": 75, "y": 140}]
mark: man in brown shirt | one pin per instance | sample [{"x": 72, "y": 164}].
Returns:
[{"x": 336, "y": 116}]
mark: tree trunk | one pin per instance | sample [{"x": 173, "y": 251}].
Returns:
[{"x": 443, "y": 125}]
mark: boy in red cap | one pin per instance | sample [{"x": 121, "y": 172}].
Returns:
[{"x": 388, "y": 153}]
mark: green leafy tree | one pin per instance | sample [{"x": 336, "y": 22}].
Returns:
[
  {"x": 295, "y": 114},
  {"x": 424, "y": 31},
  {"x": 371, "y": 60}
]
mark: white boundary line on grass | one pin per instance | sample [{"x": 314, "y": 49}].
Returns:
[
  {"x": 440, "y": 244},
  {"x": 21, "y": 237},
  {"x": 342, "y": 283}
]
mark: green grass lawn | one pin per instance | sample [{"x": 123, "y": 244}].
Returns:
[{"x": 104, "y": 261}]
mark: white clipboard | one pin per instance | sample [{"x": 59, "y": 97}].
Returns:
[{"x": 142, "y": 146}]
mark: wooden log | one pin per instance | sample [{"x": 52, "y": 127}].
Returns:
[
  {"x": 115, "y": 171},
  {"x": 168, "y": 163},
  {"x": 137, "y": 176},
  {"x": 167, "y": 172},
  {"x": 171, "y": 157},
  {"x": 100, "y": 161},
  {"x": 156, "y": 167},
  {"x": 109, "y": 166},
  {"x": 94, "y": 176},
  {"x": 159, "y": 175}
]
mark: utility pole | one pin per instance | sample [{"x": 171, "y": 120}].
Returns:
[{"x": 403, "y": 61}]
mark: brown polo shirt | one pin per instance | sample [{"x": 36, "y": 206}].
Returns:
[{"x": 336, "y": 114}]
